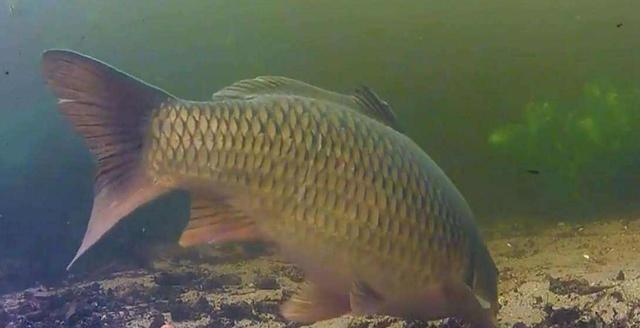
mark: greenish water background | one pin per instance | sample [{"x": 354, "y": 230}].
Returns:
[{"x": 453, "y": 71}]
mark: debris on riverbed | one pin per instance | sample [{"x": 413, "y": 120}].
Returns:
[
  {"x": 574, "y": 286},
  {"x": 550, "y": 287}
]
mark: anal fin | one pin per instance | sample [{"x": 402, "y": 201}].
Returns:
[
  {"x": 217, "y": 222},
  {"x": 363, "y": 299},
  {"x": 312, "y": 303}
]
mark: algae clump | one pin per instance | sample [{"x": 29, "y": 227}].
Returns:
[{"x": 587, "y": 151}]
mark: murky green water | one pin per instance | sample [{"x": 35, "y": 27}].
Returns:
[{"x": 531, "y": 107}]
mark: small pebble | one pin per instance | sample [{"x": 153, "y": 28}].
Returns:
[
  {"x": 236, "y": 311},
  {"x": 267, "y": 307},
  {"x": 561, "y": 316},
  {"x": 230, "y": 279},
  {"x": 4, "y": 317},
  {"x": 293, "y": 273},
  {"x": 538, "y": 300},
  {"x": 617, "y": 295},
  {"x": 221, "y": 322},
  {"x": 180, "y": 311},
  {"x": 174, "y": 278},
  {"x": 202, "y": 305},
  {"x": 209, "y": 284},
  {"x": 266, "y": 282},
  {"x": 35, "y": 316},
  {"x": 157, "y": 321}
]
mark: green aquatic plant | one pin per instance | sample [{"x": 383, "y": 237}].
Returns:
[{"x": 585, "y": 151}]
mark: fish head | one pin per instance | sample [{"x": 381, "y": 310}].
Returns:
[{"x": 485, "y": 280}]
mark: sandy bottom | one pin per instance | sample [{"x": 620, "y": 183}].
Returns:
[{"x": 568, "y": 276}]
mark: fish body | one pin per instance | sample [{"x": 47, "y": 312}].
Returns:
[{"x": 373, "y": 221}]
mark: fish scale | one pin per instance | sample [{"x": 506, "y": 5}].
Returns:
[{"x": 279, "y": 165}]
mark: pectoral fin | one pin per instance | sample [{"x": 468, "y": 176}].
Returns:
[
  {"x": 473, "y": 309},
  {"x": 217, "y": 222},
  {"x": 483, "y": 303}
]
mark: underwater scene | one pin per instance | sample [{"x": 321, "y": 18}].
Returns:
[{"x": 168, "y": 164}]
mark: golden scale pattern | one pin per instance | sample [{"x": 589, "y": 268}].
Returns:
[{"x": 324, "y": 170}]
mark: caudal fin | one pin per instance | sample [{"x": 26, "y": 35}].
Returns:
[{"x": 110, "y": 109}]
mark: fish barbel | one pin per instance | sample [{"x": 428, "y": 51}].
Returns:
[{"x": 329, "y": 178}]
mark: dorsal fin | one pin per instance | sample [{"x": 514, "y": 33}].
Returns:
[
  {"x": 280, "y": 85},
  {"x": 364, "y": 100},
  {"x": 375, "y": 107}
]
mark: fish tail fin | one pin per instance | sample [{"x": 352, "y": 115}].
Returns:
[{"x": 111, "y": 110}]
